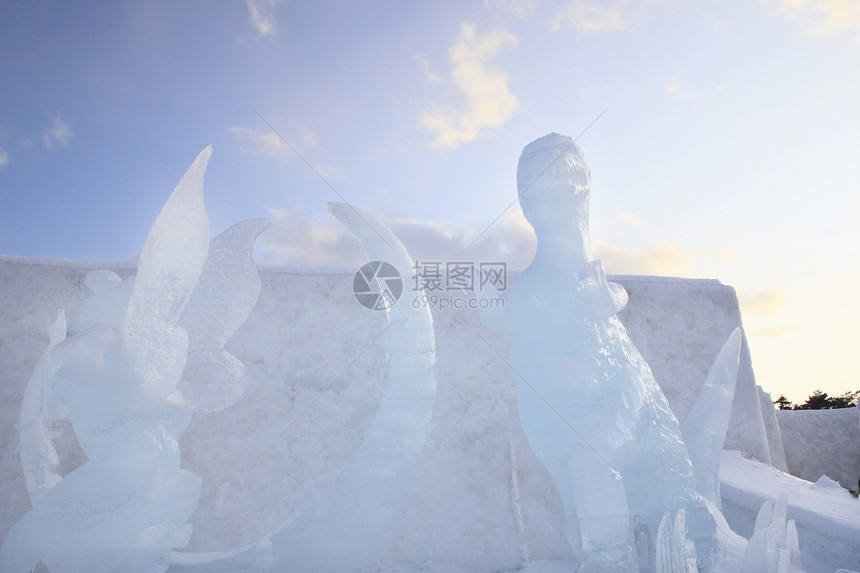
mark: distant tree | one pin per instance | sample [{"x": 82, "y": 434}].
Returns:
[
  {"x": 847, "y": 400},
  {"x": 783, "y": 403},
  {"x": 818, "y": 400},
  {"x": 821, "y": 401}
]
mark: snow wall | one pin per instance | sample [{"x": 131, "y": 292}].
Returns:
[
  {"x": 317, "y": 365},
  {"x": 822, "y": 442}
]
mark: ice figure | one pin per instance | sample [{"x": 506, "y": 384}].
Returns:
[
  {"x": 588, "y": 402},
  {"x": 705, "y": 429},
  {"x": 343, "y": 532},
  {"x": 39, "y": 459},
  {"x": 774, "y": 546},
  {"x": 109, "y": 299},
  {"x": 675, "y": 553},
  {"x": 122, "y": 381},
  {"x": 223, "y": 299}
]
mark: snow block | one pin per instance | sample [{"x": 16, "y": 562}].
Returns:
[{"x": 822, "y": 442}]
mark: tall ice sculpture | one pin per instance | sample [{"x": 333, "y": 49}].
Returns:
[{"x": 588, "y": 402}]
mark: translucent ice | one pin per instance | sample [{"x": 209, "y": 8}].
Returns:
[
  {"x": 128, "y": 505},
  {"x": 154, "y": 345},
  {"x": 221, "y": 303},
  {"x": 675, "y": 553},
  {"x": 343, "y": 531},
  {"x": 774, "y": 546},
  {"x": 705, "y": 428},
  {"x": 39, "y": 459},
  {"x": 587, "y": 399},
  {"x": 109, "y": 300}
]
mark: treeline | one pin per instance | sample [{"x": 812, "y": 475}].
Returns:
[{"x": 820, "y": 401}]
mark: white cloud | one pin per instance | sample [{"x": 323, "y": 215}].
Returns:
[
  {"x": 425, "y": 63},
  {"x": 58, "y": 134},
  {"x": 4, "y": 157},
  {"x": 765, "y": 302},
  {"x": 601, "y": 16},
  {"x": 296, "y": 241},
  {"x": 271, "y": 143},
  {"x": 821, "y": 17},
  {"x": 589, "y": 16},
  {"x": 673, "y": 86},
  {"x": 630, "y": 219},
  {"x": 777, "y": 331},
  {"x": 518, "y": 8},
  {"x": 263, "y": 15},
  {"x": 720, "y": 255},
  {"x": 662, "y": 258},
  {"x": 509, "y": 240},
  {"x": 592, "y": 88},
  {"x": 293, "y": 240},
  {"x": 489, "y": 103}
]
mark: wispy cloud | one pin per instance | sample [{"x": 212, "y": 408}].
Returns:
[
  {"x": 489, "y": 102},
  {"x": 60, "y": 133},
  {"x": 719, "y": 254},
  {"x": 630, "y": 219},
  {"x": 766, "y": 302},
  {"x": 293, "y": 240},
  {"x": 4, "y": 158},
  {"x": 425, "y": 63},
  {"x": 263, "y": 15},
  {"x": 521, "y": 9},
  {"x": 821, "y": 17},
  {"x": 271, "y": 143},
  {"x": 297, "y": 241},
  {"x": 590, "y": 16},
  {"x": 661, "y": 258},
  {"x": 675, "y": 88},
  {"x": 777, "y": 331}
]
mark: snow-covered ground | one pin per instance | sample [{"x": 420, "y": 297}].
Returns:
[
  {"x": 481, "y": 501},
  {"x": 827, "y": 515}
]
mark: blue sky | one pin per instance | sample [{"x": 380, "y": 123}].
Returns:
[{"x": 728, "y": 147}]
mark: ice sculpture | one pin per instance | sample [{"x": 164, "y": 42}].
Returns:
[
  {"x": 774, "y": 546},
  {"x": 675, "y": 553},
  {"x": 342, "y": 533},
  {"x": 705, "y": 429},
  {"x": 341, "y": 530},
  {"x": 129, "y": 397},
  {"x": 39, "y": 459},
  {"x": 588, "y": 402},
  {"x": 223, "y": 299}
]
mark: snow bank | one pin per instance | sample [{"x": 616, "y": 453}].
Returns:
[
  {"x": 822, "y": 442},
  {"x": 827, "y": 516}
]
